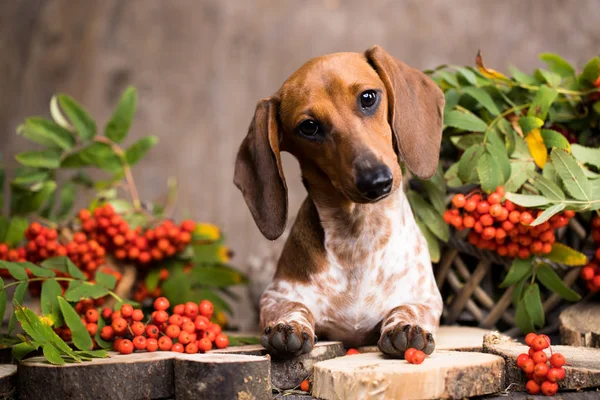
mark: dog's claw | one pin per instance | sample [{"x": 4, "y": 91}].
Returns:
[
  {"x": 395, "y": 341},
  {"x": 287, "y": 340}
]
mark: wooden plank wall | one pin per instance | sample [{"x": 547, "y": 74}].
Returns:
[{"x": 201, "y": 65}]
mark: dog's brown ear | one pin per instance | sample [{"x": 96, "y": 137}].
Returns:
[
  {"x": 258, "y": 171},
  {"x": 415, "y": 106}
]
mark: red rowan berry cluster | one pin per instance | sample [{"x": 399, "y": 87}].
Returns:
[
  {"x": 543, "y": 372},
  {"x": 15, "y": 255},
  {"x": 42, "y": 243},
  {"x": 591, "y": 272},
  {"x": 188, "y": 329},
  {"x": 414, "y": 356},
  {"x": 503, "y": 226},
  {"x": 112, "y": 231}
]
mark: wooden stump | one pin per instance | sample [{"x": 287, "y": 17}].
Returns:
[
  {"x": 7, "y": 380},
  {"x": 222, "y": 376},
  {"x": 289, "y": 373},
  {"x": 580, "y": 325},
  {"x": 445, "y": 374},
  {"x": 147, "y": 376},
  {"x": 582, "y": 369},
  {"x": 457, "y": 338}
]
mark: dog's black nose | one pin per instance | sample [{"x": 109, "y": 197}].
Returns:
[{"x": 375, "y": 182}]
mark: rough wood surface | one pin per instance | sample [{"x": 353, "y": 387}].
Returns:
[
  {"x": 289, "y": 373},
  {"x": 582, "y": 369},
  {"x": 445, "y": 374},
  {"x": 8, "y": 375},
  {"x": 222, "y": 376},
  {"x": 145, "y": 376},
  {"x": 457, "y": 338},
  {"x": 579, "y": 325}
]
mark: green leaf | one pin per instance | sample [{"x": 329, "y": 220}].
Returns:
[
  {"x": 107, "y": 280},
  {"x": 452, "y": 97},
  {"x": 555, "y": 139},
  {"x": 429, "y": 216},
  {"x": 216, "y": 276},
  {"x": 4, "y": 226},
  {"x": 139, "y": 149},
  {"x": 558, "y": 65},
  {"x": 489, "y": 172},
  {"x": 546, "y": 76},
  {"x": 528, "y": 124},
  {"x": 522, "y": 77},
  {"x": 49, "y": 300},
  {"x": 449, "y": 77},
  {"x": 16, "y": 231},
  {"x": 435, "y": 195},
  {"x": 81, "y": 120},
  {"x": 177, "y": 288},
  {"x": 67, "y": 198},
  {"x": 47, "y": 133},
  {"x": 121, "y": 206},
  {"x": 32, "y": 201},
  {"x": 64, "y": 264},
  {"x": 563, "y": 254},
  {"x": 432, "y": 242},
  {"x": 468, "y": 162},
  {"x": 518, "y": 270},
  {"x": 120, "y": 122},
  {"x": 571, "y": 174},
  {"x": 153, "y": 279},
  {"x": 465, "y": 141},
  {"x": 482, "y": 98},
  {"x": 549, "y": 278},
  {"x": 80, "y": 336},
  {"x": 501, "y": 158},
  {"x": 16, "y": 270},
  {"x": 38, "y": 271},
  {"x": 40, "y": 159},
  {"x": 586, "y": 155},
  {"x": 468, "y": 75},
  {"x": 533, "y": 305},
  {"x": 20, "y": 350},
  {"x": 451, "y": 176},
  {"x": 31, "y": 178},
  {"x": 2, "y": 302},
  {"x": 545, "y": 186},
  {"x": 84, "y": 290},
  {"x": 522, "y": 319},
  {"x": 542, "y": 102},
  {"x": 590, "y": 72},
  {"x": 52, "y": 354},
  {"x": 517, "y": 294},
  {"x": 18, "y": 297},
  {"x": 465, "y": 120},
  {"x": 548, "y": 213},
  {"x": 526, "y": 200}
]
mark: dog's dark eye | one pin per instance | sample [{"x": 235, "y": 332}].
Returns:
[
  {"x": 368, "y": 99},
  {"x": 309, "y": 127}
]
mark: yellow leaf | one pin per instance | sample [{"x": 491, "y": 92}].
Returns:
[
  {"x": 223, "y": 254},
  {"x": 488, "y": 72},
  {"x": 47, "y": 320},
  {"x": 207, "y": 231},
  {"x": 537, "y": 148},
  {"x": 565, "y": 255}
]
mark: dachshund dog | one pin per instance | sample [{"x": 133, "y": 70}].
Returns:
[{"x": 355, "y": 267}]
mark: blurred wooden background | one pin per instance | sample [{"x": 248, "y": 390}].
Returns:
[{"x": 201, "y": 65}]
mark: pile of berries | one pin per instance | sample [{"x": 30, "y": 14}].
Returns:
[
  {"x": 502, "y": 226},
  {"x": 112, "y": 231},
  {"x": 14, "y": 255},
  {"x": 591, "y": 272},
  {"x": 42, "y": 243},
  {"x": 188, "y": 329},
  {"x": 414, "y": 356},
  {"x": 543, "y": 372}
]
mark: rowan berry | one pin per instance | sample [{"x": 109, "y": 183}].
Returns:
[
  {"x": 528, "y": 366},
  {"x": 521, "y": 360},
  {"x": 459, "y": 200},
  {"x": 119, "y": 325},
  {"x": 201, "y": 323},
  {"x": 532, "y": 387},
  {"x": 188, "y": 326},
  {"x": 191, "y": 348},
  {"x": 140, "y": 342},
  {"x": 191, "y": 309},
  {"x": 204, "y": 345},
  {"x": 540, "y": 369},
  {"x": 523, "y": 253},
  {"x": 470, "y": 205},
  {"x": 486, "y": 220},
  {"x": 468, "y": 221},
  {"x": 222, "y": 341},
  {"x": 173, "y": 331},
  {"x": 557, "y": 360},
  {"x": 540, "y": 357},
  {"x": 137, "y": 315},
  {"x": 151, "y": 345},
  {"x": 349, "y": 352},
  {"x": 152, "y": 331},
  {"x": 554, "y": 374},
  {"x": 547, "y": 248},
  {"x": 138, "y": 328},
  {"x": 549, "y": 388},
  {"x": 160, "y": 317},
  {"x": 483, "y": 207},
  {"x": 165, "y": 343},
  {"x": 125, "y": 346},
  {"x": 177, "y": 348},
  {"x": 210, "y": 335},
  {"x": 536, "y": 247},
  {"x": 494, "y": 198},
  {"x": 305, "y": 386},
  {"x": 92, "y": 315},
  {"x": 587, "y": 273},
  {"x": 215, "y": 328},
  {"x": 92, "y": 328},
  {"x": 126, "y": 310},
  {"x": 145, "y": 257},
  {"x": 206, "y": 308},
  {"x": 107, "y": 333},
  {"x": 184, "y": 337},
  {"x": 418, "y": 357},
  {"x": 478, "y": 227}
]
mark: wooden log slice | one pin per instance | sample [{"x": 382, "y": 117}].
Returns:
[
  {"x": 580, "y": 325},
  {"x": 222, "y": 376},
  {"x": 582, "y": 369},
  {"x": 443, "y": 375},
  {"x": 457, "y": 338},
  {"x": 133, "y": 376},
  {"x": 8, "y": 375}
]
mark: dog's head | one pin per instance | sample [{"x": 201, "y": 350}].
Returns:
[{"x": 348, "y": 118}]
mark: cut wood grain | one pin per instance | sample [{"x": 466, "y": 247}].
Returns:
[
  {"x": 8, "y": 375},
  {"x": 147, "y": 376},
  {"x": 580, "y": 325},
  {"x": 445, "y": 375}
]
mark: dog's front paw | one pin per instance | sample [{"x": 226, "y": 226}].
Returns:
[
  {"x": 288, "y": 339},
  {"x": 396, "y": 340}
]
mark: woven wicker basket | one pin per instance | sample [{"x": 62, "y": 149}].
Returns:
[{"x": 469, "y": 277}]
